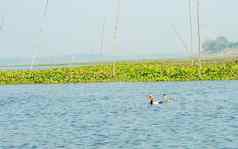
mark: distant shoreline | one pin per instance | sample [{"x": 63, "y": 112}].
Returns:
[{"x": 127, "y": 71}]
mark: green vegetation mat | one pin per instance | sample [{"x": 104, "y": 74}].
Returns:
[{"x": 144, "y": 71}]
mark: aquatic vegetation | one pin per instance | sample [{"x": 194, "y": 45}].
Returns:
[{"x": 146, "y": 71}]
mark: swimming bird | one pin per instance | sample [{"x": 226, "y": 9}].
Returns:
[{"x": 153, "y": 101}]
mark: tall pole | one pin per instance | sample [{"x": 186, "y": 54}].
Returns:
[
  {"x": 191, "y": 29},
  {"x": 102, "y": 36},
  {"x": 33, "y": 60},
  {"x": 46, "y": 8},
  {"x": 199, "y": 36},
  {"x": 185, "y": 46},
  {"x": 72, "y": 60},
  {"x": 2, "y": 24},
  {"x": 115, "y": 35},
  {"x": 45, "y": 11}
]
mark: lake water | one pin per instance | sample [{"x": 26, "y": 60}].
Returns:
[{"x": 116, "y": 115}]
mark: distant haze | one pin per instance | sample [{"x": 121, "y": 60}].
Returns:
[
  {"x": 74, "y": 26},
  {"x": 219, "y": 45}
]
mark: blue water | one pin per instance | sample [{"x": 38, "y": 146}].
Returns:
[{"x": 106, "y": 116}]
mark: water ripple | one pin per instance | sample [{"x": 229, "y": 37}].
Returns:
[{"x": 116, "y": 115}]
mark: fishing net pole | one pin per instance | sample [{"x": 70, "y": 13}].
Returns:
[
  {"x": 45, "y": 12},
  {"x": 115, "y": 34}
]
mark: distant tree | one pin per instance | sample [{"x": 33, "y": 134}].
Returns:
[
  {"x": 216, "y": 46},
  {"x": 221, "y": 43},
  {"x": 209, "y": 46},
  {"x": 233, "y": 45}
]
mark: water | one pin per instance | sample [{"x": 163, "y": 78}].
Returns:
[
  {"x": 8, "y": 68},
  {"x": 105, "y": 116}
]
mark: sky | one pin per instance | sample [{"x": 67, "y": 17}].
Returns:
[{"x": 75, "y": 26}]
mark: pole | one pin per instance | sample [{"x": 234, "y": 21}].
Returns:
[
  {"x": 102, "y": 36},
  {"x": 199, "y": 37},
  {"x": 185, "y": 46},
  {"x": 191, "y": 29},
  {"x": 46, "y": 8},
  {"x": 45, "y": 11},
  {"x": 115, "y": 37},
  {"x": 2, "y": 24}
]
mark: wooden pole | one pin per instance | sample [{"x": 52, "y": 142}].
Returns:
[
  {"x": 178, "y": 35},
  {"x": 46, "y": 8},
  {"x": 115, "y": 36},
  {"x": 2, "y": 24},
  {"x": 102, "y": 37},
  {"x": 191, "y": 29},
  {"x": 199, "y": 37},
  {"x": 45, "y": 11}
]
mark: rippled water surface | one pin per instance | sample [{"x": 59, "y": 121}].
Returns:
[{"x": 201, "y": 115}]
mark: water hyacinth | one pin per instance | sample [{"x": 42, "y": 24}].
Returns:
[{"x": 150, "y": 71}]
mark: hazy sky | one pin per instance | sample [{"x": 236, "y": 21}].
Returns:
[{"x": 74, "y": 26}]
